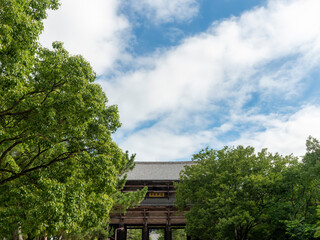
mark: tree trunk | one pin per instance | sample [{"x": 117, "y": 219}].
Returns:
[
  {"x": 16, "y": 235},
  {"x": 240, "y": 234}
]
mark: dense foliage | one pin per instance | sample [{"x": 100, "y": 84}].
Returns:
[
  {"x": 176, "y": 234},
  {"x": 60, "y": 171},
  {"x": 134, "y": 234},
  {"x": 235, "y": 193}
]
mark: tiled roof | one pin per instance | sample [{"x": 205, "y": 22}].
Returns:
[{"x": 157, "y": 170}]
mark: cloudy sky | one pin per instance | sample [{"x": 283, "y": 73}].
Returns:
[{"x": 187, "y": 74}]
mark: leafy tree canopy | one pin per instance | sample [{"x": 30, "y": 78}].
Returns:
[
  {"x": 235, "y": 193},
  {"x": 60, "y": 171}
]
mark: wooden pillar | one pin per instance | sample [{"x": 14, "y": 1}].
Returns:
[
  {"x": 168, "y": 233},
  {"x": 122, "y": 233},
  {"x": 145, "y": 232}
]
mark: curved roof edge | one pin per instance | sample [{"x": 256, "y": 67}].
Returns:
[{"x": 163, "y": 162}]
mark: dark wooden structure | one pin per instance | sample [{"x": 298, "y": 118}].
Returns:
[{"x": 157, "y": 210}]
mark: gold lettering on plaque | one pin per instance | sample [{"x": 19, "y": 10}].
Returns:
[{"x": 156, "y": 194}]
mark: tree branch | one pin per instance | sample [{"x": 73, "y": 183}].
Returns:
[
  {"x": 11, "y": 139},
  {"x": 2, "y": 113},
  {"x": 36, "y": 156},
  {"x": 8, "y": 150},
  {"x": 6, "y": 170},
  {"x": 56, "y": 159}
]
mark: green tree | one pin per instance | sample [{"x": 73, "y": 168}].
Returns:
[
  {"x": 60, "y": 171},
  {"x": 311, "y": 161},
  {"x": 304, "y": 192},
  {"x": 236, "y": 194},
  {"x": 177, "y": 234},
  {"x": 134, "y": 234}
]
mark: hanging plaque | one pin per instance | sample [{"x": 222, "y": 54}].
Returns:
[{"x": 156, "y": 194}]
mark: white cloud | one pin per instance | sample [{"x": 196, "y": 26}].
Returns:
[
  {"x": 287, "y": 135},
  {"x": 163, "y": 11},
  {"x": 186, "y": 97},
  {"x": 161, "y": 144},
  {"x": 90, "y": 28},
  {"x": 219, "y": 65},
  {"x": 216, "y": 72}
]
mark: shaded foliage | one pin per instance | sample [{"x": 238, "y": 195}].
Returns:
[
  {"x": 235, "y": 193},
  {"x": 60, "y": 171},
  {"x": 134, "y": 234},
  {"x": 177, "y": 234}
]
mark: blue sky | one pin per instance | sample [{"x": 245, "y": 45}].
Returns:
[
  {"x": 152, "y": 35},
  {"x": 187, "y": 74}
]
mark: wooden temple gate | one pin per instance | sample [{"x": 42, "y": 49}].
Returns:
[{"x": 157, "y": 210}]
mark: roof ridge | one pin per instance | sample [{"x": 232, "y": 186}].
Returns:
[{"x": 157, "y": 162}]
